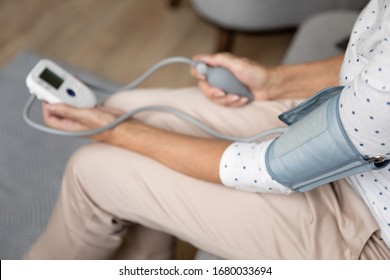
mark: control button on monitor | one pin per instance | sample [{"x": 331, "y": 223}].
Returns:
[{"x": 71, "y": 92}]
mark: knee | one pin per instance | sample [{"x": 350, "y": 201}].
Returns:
[
  {"x": 83, "y": 169},
  {"x": 97, "y": 172},
  {"x": 83, "y": 160}
]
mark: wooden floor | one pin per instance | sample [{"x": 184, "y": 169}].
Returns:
[{"x": 119, "y": 39}]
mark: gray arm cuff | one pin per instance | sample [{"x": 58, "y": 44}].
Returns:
[{"x": 315, "y": 148}]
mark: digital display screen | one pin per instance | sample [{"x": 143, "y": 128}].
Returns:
[{"x": 51, "y": 78}]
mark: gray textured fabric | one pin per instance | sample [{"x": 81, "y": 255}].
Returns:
[
  {"x": 260, "y": 15},
  {"x": 317, "y": 37},
  {"x": 31, "y": 162}
]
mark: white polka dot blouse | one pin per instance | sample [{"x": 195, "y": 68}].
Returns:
[{"x": 364, "y": 108}]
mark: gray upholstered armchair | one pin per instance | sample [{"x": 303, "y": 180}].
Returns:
[{"x": 231, "y": 16}]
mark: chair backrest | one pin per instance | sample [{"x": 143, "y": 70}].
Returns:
[{"x": 259, "y": 15}]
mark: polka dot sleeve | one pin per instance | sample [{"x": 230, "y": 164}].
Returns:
[
  {"x": 242, "y": 167},
  {"x": 365, "y": 103}
]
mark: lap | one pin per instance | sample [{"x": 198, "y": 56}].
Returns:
[
  {"x": 228, "y": 223},
  {"x": 222, "y": 221},
  {"x": 241, "y": 122}
]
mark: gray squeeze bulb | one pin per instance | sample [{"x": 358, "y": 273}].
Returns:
[{"x": 224, "y": 79}]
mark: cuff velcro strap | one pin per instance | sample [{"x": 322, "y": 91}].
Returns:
[{"x": 315, "y": 149}]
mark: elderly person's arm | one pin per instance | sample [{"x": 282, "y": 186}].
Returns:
[
  {"x": 193, "y": 156},
  {"x": 196, "y": 157}
]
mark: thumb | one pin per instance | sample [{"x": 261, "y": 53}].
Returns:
[{"x": 220, "y": 59}]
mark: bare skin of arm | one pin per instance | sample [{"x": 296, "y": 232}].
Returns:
[
  {"x": 302, "y": 80},
  {"x": 192, "y": 156}
]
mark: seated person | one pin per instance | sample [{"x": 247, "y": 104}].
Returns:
[{"x": 155, "y": 176}]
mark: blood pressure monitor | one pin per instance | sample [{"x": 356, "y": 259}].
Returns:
[{"x": 49, "y": 82}]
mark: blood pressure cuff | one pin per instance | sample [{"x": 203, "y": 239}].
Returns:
[{"x": 315, "y": 149}]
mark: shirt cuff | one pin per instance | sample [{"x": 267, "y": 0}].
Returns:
[{"x": 242, "y": 166}]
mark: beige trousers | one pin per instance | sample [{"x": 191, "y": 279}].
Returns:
[{"x": 115, "y": 203}]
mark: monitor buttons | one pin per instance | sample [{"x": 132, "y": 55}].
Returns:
[{"x": 71, "y": 92}]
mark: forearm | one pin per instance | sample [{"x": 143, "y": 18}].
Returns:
[
  {"x": 192, "y": 156},
  {"x": 303, "y": 80},
  {"x": 237, "y": 165}
]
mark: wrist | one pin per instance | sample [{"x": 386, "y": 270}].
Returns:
[
  {"x": 287, "y": 81},
  {"x": 302, "y": 80},
  {"x": 123, "y": 135}
]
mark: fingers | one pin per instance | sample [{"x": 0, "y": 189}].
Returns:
[
  {"x": 222, "y": 98},
  {"x": 194, "y": 73},
  {"x": 61, "y": 110},
  {"x": 219, "y": 59},
  {"x": 66, "y": 117},
  {"x": 55, "y": 119},
  {"x": 210, "y": 92},
  {"x": 215, "y": 94}
]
